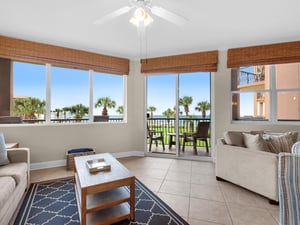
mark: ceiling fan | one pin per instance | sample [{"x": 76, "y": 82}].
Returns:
[{"x": 142, "y": 11}]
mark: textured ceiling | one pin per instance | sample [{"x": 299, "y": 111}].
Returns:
[{"x": 211, "y": 25}]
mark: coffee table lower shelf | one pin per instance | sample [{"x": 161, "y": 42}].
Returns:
[
  {"x": 105, "y": 207},
  {"x": 109, "y": 215}
]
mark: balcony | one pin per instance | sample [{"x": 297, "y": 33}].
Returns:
[{"x": 166, "y": 126}]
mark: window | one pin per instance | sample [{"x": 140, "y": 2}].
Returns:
[
  {"x": 29, "y": 91},
  {"x": 288, "y": 91},
  {"x": 69, "y": 94},
  {"x": 109, "y": 92},
  {"x": 266, "y": 93},
  {"x": 72, "y": 97}
]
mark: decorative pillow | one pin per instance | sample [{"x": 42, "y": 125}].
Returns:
[
  {"x": 234, "y": 138},
  {"x": 293, "y": 134},
  {"x": 260, "y": 132},
  {"x": 3, "y": 153},
  {"x": 280, "y": 143},
  {"x": 255, "y": 142}
]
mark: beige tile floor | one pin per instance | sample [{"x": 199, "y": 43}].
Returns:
[{"x": 191, "y": 189}]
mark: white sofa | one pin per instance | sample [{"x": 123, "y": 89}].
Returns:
[
  {"x": 254, "y": 170},
  {"x": 14, "y": 180},
  {"x": 250, "y": 160}
]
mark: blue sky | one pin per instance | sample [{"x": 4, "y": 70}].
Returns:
[{"x": 161, "y": 90}]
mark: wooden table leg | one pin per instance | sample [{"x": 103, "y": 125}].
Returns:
[{"x": 132, "y": 199}]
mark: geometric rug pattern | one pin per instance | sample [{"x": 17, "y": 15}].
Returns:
[{"x": 54, "y": 203}]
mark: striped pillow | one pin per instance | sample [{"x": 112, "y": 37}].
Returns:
[{"x": 280, "y": 143}]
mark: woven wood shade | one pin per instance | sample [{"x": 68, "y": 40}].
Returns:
[
  {"x": 28, "y": 51},
  {"x": 263, "y": 55},
  {"x": 202, "y": 61}
]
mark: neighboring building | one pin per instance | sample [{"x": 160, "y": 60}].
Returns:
[{"x": 287, "y": 85}]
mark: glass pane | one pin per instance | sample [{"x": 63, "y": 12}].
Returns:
[
  {"x": 29, "y": 90},
  {"x": 109, "y": 92},
  {"x": 288, "y": 76},
  {"x": 161, "y": 101},
  {"x": 250, "y": 78},
  {"x": 194, "y": 102},
  {"x": 288, "y": 105},
  {"x": 251, "y": 106},
  {"x": 69, "y": 95}
]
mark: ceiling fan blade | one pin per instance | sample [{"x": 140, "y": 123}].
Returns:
[
  {"x": 113, "y": 15},
  {"x": 169, "y": 16}
]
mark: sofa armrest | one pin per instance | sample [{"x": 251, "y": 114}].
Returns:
[{"x": 18, "y": 155}]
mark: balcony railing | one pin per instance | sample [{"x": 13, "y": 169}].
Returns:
[
  {"x": 66, "y": 121},
  {"x": 250, "y": 78},
  {"x": 167, "y": 126}
]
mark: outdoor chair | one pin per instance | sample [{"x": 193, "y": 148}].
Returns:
[
  {"x": 156, "y": 136},
  {"x": 289, "y": 188},
  {"x": 200, "y": 134}
]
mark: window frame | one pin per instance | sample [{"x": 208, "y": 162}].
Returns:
[
  {"x": 273, "y": 92},
  {"x": 91, "y": 99}
]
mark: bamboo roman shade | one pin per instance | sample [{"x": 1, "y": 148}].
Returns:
[
  {"x": 34, "y": 52},
  {"x": 194, "y": 62},
  {"x": 263, "y": 55}
]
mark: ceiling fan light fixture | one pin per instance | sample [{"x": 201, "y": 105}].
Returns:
[{"x": 140, "y": 15}]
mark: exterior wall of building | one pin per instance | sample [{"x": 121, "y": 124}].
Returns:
[{"x": 288, "y": 76}]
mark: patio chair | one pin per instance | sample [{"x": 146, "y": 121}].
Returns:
[
  {"x": 156, "y": 136},
  {"x": 289, "y": 188},
  {"x": 200, "y": 134}
]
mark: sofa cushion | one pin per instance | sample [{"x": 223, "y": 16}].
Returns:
[
  {"x": 280, "y": 143},
  {"x": 3, "y": 153},
  {"x": 15, "y": 170},
  {"x": 234, "y": 138},
  {"x": 8, "y": 186},
  {"x": 255, "y": 142}
]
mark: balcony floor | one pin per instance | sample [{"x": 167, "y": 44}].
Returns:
[{"x": 189, "y": 151}]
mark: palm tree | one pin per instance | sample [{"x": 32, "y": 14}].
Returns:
[
  {"x": 106, "y": 102},
  {"x": 151, "y": 109},
  {"x": 168, "y": 113},
  {"x": 203, "y": 107},
  {"x": 120, "y": 110},
  {"x": 186, "y": 101},
  {"x": 79, "y": 111},
  {"x": 65, "y": 110},
  {"x": 29, "y": 107},
  {"x": 57, "y": 111}
]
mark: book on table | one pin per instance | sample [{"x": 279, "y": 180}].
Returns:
[{"x": 97, "y": 165}]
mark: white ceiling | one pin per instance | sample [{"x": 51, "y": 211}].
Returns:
[{"x": 213, "y": 24}]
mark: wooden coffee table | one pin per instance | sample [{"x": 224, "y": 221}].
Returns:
[{"x": 102, "y": 197}]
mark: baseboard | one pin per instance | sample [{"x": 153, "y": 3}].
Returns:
[{"x": 57, "y": 163}]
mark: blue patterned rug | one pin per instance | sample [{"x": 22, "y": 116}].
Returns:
[{"x": 54, "y": 203}]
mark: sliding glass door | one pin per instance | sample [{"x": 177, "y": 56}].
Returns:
[
  {"x": 161, "y": 104},
  {"x": 194, "y": 122},
  {"x": 178, "y": 114}
]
